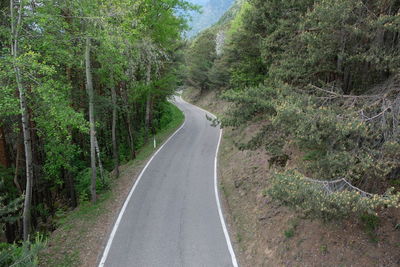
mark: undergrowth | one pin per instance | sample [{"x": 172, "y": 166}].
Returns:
[
  {"x": 23, "y": 254},
  {"x": 294, "y": 190}
]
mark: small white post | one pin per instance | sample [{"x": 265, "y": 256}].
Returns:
[{"x": 155, "y": 143}]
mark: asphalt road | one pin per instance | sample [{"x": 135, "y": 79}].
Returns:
[{"x": 172, "y": 217}]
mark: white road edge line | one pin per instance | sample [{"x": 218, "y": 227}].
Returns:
[
  {"x": 221, "y": 216},
  {"x": 121, "y": 213}
]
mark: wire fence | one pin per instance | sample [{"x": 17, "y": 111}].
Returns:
[{"x": 338, "y": 185}]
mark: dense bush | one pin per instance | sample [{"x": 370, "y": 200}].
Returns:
[
  {"x": 294, "y": 190},
  {"x": 21, "y": 255}
]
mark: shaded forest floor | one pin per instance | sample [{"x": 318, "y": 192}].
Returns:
[
  {"x": 268, "y": 234},
  {"x": 82, "y": 233}
]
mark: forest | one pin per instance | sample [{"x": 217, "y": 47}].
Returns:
[
  {"x": 84, "y": 84},
  {"x": 321, "y": 79}
]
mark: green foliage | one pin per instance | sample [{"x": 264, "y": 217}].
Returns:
[
  {"x": 200, "y": 60},
  {"x": 289, "y": 233},
  {"x": 324, "y": 249},
  {"x": 10, "y": 202},
  {"x": 135, "y": 51},
  {"x": 83, "y": 183},
  {"x": 168, "y": 115},
  {"x": 252, "y": 102},
  {"x": 370, "y": 223},
  {"x": 22, "y": 255},
  {"x": 294, "y": 190},
  {"x": 311, "y": 72}
]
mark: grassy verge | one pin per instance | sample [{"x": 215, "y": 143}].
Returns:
[
  {"x": 81, "y": 233},
  {"x": 162, "y": 135}
]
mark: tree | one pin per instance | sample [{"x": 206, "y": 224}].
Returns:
[
  {"x": 89, "y": 88},
  {"x": 200, "y": 59},
  {"x": 75, "y": 65},
  {"x": 16, "y": 24}
]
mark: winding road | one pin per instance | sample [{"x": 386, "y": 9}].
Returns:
[{"x": 172, "y": 216}]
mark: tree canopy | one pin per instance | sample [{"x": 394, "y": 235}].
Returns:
[{"x": 83, "y": 86}]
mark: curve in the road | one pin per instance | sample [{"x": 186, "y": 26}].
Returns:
[{"x": 175, "y": 217}]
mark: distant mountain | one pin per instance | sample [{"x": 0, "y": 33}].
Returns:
[{"x": 212, "y": 10}]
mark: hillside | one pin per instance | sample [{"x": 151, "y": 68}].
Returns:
[
  {"x": 310, "y": 102},
  {"x": 211, "y": 12}
]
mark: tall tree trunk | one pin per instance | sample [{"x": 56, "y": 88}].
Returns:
[
  {"x": 10, "y": 232},
  {"x": 28, "y": 155},
  {"x": 4, "y": 159},
  {"x": 96, "y": 146},
  {"x": 17, "y": 160},
  {"x": 89, "y": 89},
  {"x": 148, "y": 102},
  {"x": 15, "y": 25},
  {"x": 128, "y": 122},
  {"x": 113, "y": 131},
  {"x": 71, "y": 188}
]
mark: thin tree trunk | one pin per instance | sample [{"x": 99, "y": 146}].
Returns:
[
  {"x": 10, "y": 232},
  {"x": 28, "y": 156},
  {"x": 148, "y": 103},
  {"x": 89, "y": 89},
  {"x": 113, "y": 131},
  {"x": 96, "y": 145},
  {"x": 4, "y": 159},
  {"x": 17, "y": 159},
  {"x": 71, "y": 188},
  {"x": 15, "y": 25},
  {"x": 128, "y": 122},
  {"x": 130, "y": 132}
]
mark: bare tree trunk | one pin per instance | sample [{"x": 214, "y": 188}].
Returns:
[
  {"x": 89, "y": 89},
  {"x": 148, "y": 103},
  {"x": 113, "y": 131},
  {"x": 96, "y": 145},
  {"x": 15, "y": 25},
  {"x": 17, "y": 159}
]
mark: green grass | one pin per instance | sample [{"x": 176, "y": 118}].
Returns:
[
  {"x": 82, "y": 218},
  {"x": 289, "y": 233},
  {"x": 293, "y": 223},
  {"x": 370, "y": 224},
  {"x": 324, "y": 249},
  {"x": 162, "y": 135}
]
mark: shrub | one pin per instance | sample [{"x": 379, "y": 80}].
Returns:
[
  {"x": 21, "y": 255},
  {"x": 83, "y": 181},
  {"x": 370, "y": 223},
  {"x": 289, "y": 233},
  {"x": 294, "y": 190},
  {"x": 335, "y": 140}
]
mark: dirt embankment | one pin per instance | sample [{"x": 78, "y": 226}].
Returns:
[{"x": 269, "y": 234}]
